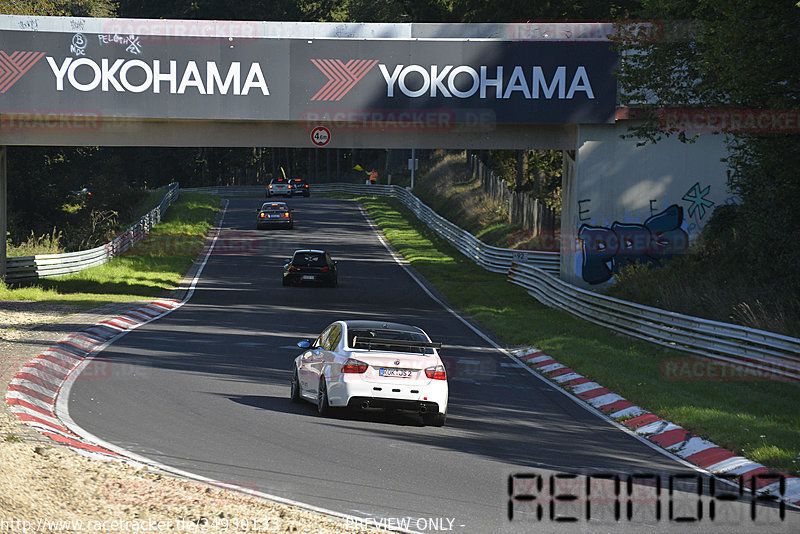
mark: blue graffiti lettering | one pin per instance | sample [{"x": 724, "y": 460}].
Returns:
[{"x": 607, "y": 250}]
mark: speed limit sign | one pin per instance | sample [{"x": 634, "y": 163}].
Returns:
[{"x": 320, "y": 136}]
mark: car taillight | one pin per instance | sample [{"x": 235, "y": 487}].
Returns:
[
  {"x": 324, "y": 270},
  {"x": 262, "y": 214},
  {"x": 354, "y": 366},
  {"x": 293, "y": 268},
  {"x": 436, "y": 373},
  {"x": 270, "y": 186},
  {"x": 286, "y": 214}
]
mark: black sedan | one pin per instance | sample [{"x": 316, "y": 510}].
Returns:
[
  {"x": 272, "y": 214},
  {"x": 300, "y": 187},
  {"x": 312, "y": 266}
]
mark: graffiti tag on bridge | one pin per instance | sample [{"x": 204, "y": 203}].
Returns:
[{"x": 607, "y": 250}]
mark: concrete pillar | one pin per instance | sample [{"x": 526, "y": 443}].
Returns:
[
  {"x": 614, "y": 183},
  {"x": 568, "y": 203},
  {"x": 3, "y": 213}
]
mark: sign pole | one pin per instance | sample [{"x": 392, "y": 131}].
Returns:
[
  {"x": 412, "y": 165},
  {"x": 3, "y": 214}
]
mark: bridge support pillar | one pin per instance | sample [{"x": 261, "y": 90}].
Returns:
[
  {"x": 624, "y": 203},
  {"x": 3, "y": 213}
]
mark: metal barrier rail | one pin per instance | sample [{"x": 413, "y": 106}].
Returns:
[
  {"x": 765, "y": 354},
  {"x": 26, "y": 268}
]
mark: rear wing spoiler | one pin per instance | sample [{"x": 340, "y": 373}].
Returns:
[{"x": 372, "y": 341}]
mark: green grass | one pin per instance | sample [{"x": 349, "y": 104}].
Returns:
[
  {"x": 447, "y": 188},
  {"x": 44, "y": 244},
  {"x": 149, "y": 270},
  {"x": 150, "y": 201},
  {"x": 51, "y": 243},
  {"x": 758, "y": 419}
]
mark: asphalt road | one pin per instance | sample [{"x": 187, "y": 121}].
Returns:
[{"x": 206, "y": 389}]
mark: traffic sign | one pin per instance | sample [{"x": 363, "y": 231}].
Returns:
[{"x": 320, "y": 136}]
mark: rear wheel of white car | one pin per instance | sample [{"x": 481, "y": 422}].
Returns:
[
  {"x": 295, "y": 388},
  {"x": 323, "y": 407},
  {"x": 434, "y": 419}
]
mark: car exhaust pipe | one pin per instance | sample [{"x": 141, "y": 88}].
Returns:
[
  {"x": 365, "y": 404},
  {"x": 423, "y": 409}
]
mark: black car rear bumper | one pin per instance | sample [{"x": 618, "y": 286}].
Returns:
[
  {"x": 282, "y": 224},
  {"x": 319, "y": 278}
]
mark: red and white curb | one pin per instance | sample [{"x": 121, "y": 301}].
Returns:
[
  {"x": 674, "y": 438},
  {"x": 32, "y": 393}
]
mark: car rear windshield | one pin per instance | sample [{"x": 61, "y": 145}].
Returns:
[
  {"x": 378, "y": 333},
  {"x": 309, "y": 260}
]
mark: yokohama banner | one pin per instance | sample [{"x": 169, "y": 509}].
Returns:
[{"x": 275, "y": 79}]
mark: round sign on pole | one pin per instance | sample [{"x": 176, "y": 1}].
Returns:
[{"x": 320, "y": 136}]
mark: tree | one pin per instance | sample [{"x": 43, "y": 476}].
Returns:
[
  {"x": 741, "y": 55},
  {"x": 71, "y": 8}
]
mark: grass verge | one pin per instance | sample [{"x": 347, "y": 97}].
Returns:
[
  {"x": 149, "y": 270},
  {"x": 449, "y": 189},
  {"x": 758, "y": 419}
]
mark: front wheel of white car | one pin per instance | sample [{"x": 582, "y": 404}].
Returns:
[
  {"x": 323, "y": 408},
  {"x": 434, "y": 419}
]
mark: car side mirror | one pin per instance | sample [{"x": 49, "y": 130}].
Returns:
[{"x": 304, "y": 344}]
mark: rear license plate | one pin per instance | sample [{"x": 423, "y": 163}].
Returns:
[
  {"x": 309, "y": 277},
  {"x": 402, "y": 373}
]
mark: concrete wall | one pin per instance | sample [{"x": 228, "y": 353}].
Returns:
[{"x": 623, "y": 203}]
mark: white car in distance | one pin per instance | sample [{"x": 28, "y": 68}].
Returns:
[{"x": 372, "y": 364}]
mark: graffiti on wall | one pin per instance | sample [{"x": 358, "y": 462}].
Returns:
[
  {"x": 697, "y": 200},
  {"x": 607, "y": 250}
]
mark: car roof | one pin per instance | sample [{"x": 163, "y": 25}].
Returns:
[{"x": 362, "y": 324}]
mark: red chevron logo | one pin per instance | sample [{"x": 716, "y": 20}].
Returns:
[
  {"x": 13, "y": 66},
  {"x": 341, "y": 76}
]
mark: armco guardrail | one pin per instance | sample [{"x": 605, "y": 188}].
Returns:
[
  {"x": 491, "y": 258},
  {"x": 766, "y": 354},
  {"x": 26, "y": 268}
]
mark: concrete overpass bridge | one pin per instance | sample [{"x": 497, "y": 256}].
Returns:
[{"x": 139, "y": 82}]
